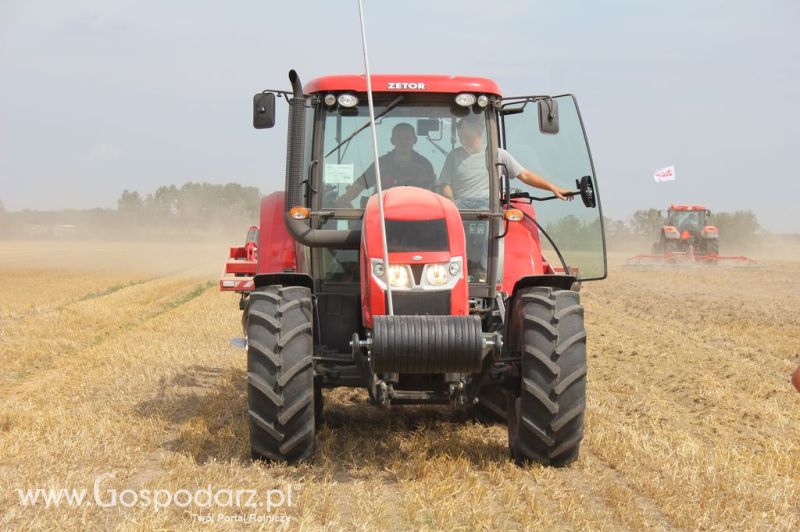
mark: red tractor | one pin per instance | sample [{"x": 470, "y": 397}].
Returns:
[
  {"x": 688, "y": 238},
  {"x": 471, "y": 310},
  {"x": 687, "y": 232}
]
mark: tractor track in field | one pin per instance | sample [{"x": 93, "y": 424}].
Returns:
[
  {"x": 96, "y": 294},
  {"x": 64, "y": 364},
  {"x": 705, "y": 366},
  {"x": 651, "y": 512},
  {"x": 64, "y": 305}
]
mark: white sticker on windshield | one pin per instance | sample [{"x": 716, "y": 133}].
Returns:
[{"x": 338, "y": 174}]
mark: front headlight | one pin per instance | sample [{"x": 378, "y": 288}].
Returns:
[
  {"x": 398, "y": 277},
  {"x": 436, "y": 274},
  {"x": 454, "y": 268}
]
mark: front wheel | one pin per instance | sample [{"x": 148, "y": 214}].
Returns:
[
  {"x": 280, "y": 373},
  {"x": 545, "y": 414}
]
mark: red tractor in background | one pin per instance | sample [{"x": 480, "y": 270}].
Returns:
[
  {"x": 687, "y": 231},
  {"x": 469, "y": 311},
  {"x": 687, "y": 238}
]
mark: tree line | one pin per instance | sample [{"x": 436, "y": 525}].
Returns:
[
  {"x": 194, "y": 205},
  {"x": 740, "y": 228},
  {"x": 205, "y": 208},
  {"x": 193, "y": 208}
]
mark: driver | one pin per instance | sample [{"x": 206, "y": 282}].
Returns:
[
  {"x": 465, "y": 177},
  {"x": 401, "y": 166}
]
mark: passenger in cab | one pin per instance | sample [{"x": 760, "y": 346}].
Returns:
[{"x": 465, "y": 176}]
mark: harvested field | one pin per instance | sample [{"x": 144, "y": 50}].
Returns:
[{"x": 127, "y": 370}]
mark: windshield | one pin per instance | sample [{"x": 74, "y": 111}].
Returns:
[
  {"x": 431, "y": 144},
  {"x": 687, "y": 220},
  {"x": 419, "y": 144}
]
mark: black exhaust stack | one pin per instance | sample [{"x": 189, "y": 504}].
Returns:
[{"x": 295, "y": 150}]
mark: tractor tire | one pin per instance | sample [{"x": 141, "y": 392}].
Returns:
[
  {"x": 280, "y": 373},
  {"x": 545, "y": 415},
  {"x": 671, "y": 246},
  {"x": 712, "y": 246}
]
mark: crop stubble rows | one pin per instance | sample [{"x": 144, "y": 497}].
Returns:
[{"x": 691, "y": 421}]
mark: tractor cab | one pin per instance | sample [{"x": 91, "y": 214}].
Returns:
[
  {"x": 452, "y": 288},
  {"x": 419, "y": 123},
  {"x": 690, "y": 218}
]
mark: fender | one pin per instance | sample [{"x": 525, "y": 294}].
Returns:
[
  {"x": 670, "y": 232},
  {"x": 285, "y": 279},
  {"x": 564, "y": 282}
]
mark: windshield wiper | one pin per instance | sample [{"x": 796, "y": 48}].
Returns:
[{"x": 389, "y": 107}]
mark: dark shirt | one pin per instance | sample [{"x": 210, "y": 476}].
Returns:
[{"x": 415, "y": 171}]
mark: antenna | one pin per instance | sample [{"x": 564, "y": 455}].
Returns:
[{"x": 378, "y": 186}]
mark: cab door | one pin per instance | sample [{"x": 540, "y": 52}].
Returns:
[{"x": 546, "y": 135}]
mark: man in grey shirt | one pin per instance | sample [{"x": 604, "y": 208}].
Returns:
[{"x": 465, "y": 176}]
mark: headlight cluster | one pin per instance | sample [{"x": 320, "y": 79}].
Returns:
[
  {"x": 437, "y": 275},
  {"x": 465, "y": 99},
  {"x": 399, "y": 276}
]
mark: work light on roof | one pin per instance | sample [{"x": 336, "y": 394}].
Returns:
[
  {"x": 465, "y": 99},
  {"x": 483, "y": 100},
  {"x": 330, "y": 99},
  {"x": 348, "y": 100}
]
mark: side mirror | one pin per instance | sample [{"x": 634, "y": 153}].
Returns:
[
  {"x": 264, "y": 110},
  {"x": 548, "y": 115},
  {"x": 586, "y": 188}
]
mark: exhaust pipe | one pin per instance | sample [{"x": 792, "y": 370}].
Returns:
[{"x": 295, "y": 150}]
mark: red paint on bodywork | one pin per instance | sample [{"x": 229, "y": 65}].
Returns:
[
  {"x": 276, "y": 247},
  {"x": 403, "y": 83},
  {"x": 410, "y": 203},
  {"x": 522, "y": 249},
  {"x": 675, "y": 207}
]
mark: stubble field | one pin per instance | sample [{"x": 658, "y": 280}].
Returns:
[{"x": 116, "y": 361}]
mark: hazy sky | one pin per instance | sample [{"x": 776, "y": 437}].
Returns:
[{"x": 99, "y": 96}]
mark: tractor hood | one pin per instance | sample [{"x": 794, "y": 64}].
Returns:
[
  {"x": 419, "y": 224},
  {"x": 409, "y": 203}
]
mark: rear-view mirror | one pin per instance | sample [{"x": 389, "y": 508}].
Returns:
[
  {"x": 548, "y": 115},
  {"x": 426, "y": 125},
  {"x": 264, "y": 110}
]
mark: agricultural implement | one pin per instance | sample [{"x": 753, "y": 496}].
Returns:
[
  {"x": 688, "y": 239},
  {"x": 470, "y": 310},
  {"x": 241, "y": 266}
]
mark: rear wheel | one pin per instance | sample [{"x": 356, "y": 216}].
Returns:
[
  {"x": 712, "y": 246},
  {"x": 545, "y": 415},
  {"x": 280, "y": 373}
]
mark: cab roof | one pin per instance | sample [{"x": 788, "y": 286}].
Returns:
[
  {"x": 403, "y": 83},
  {"x": 676, "y": 207}
]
